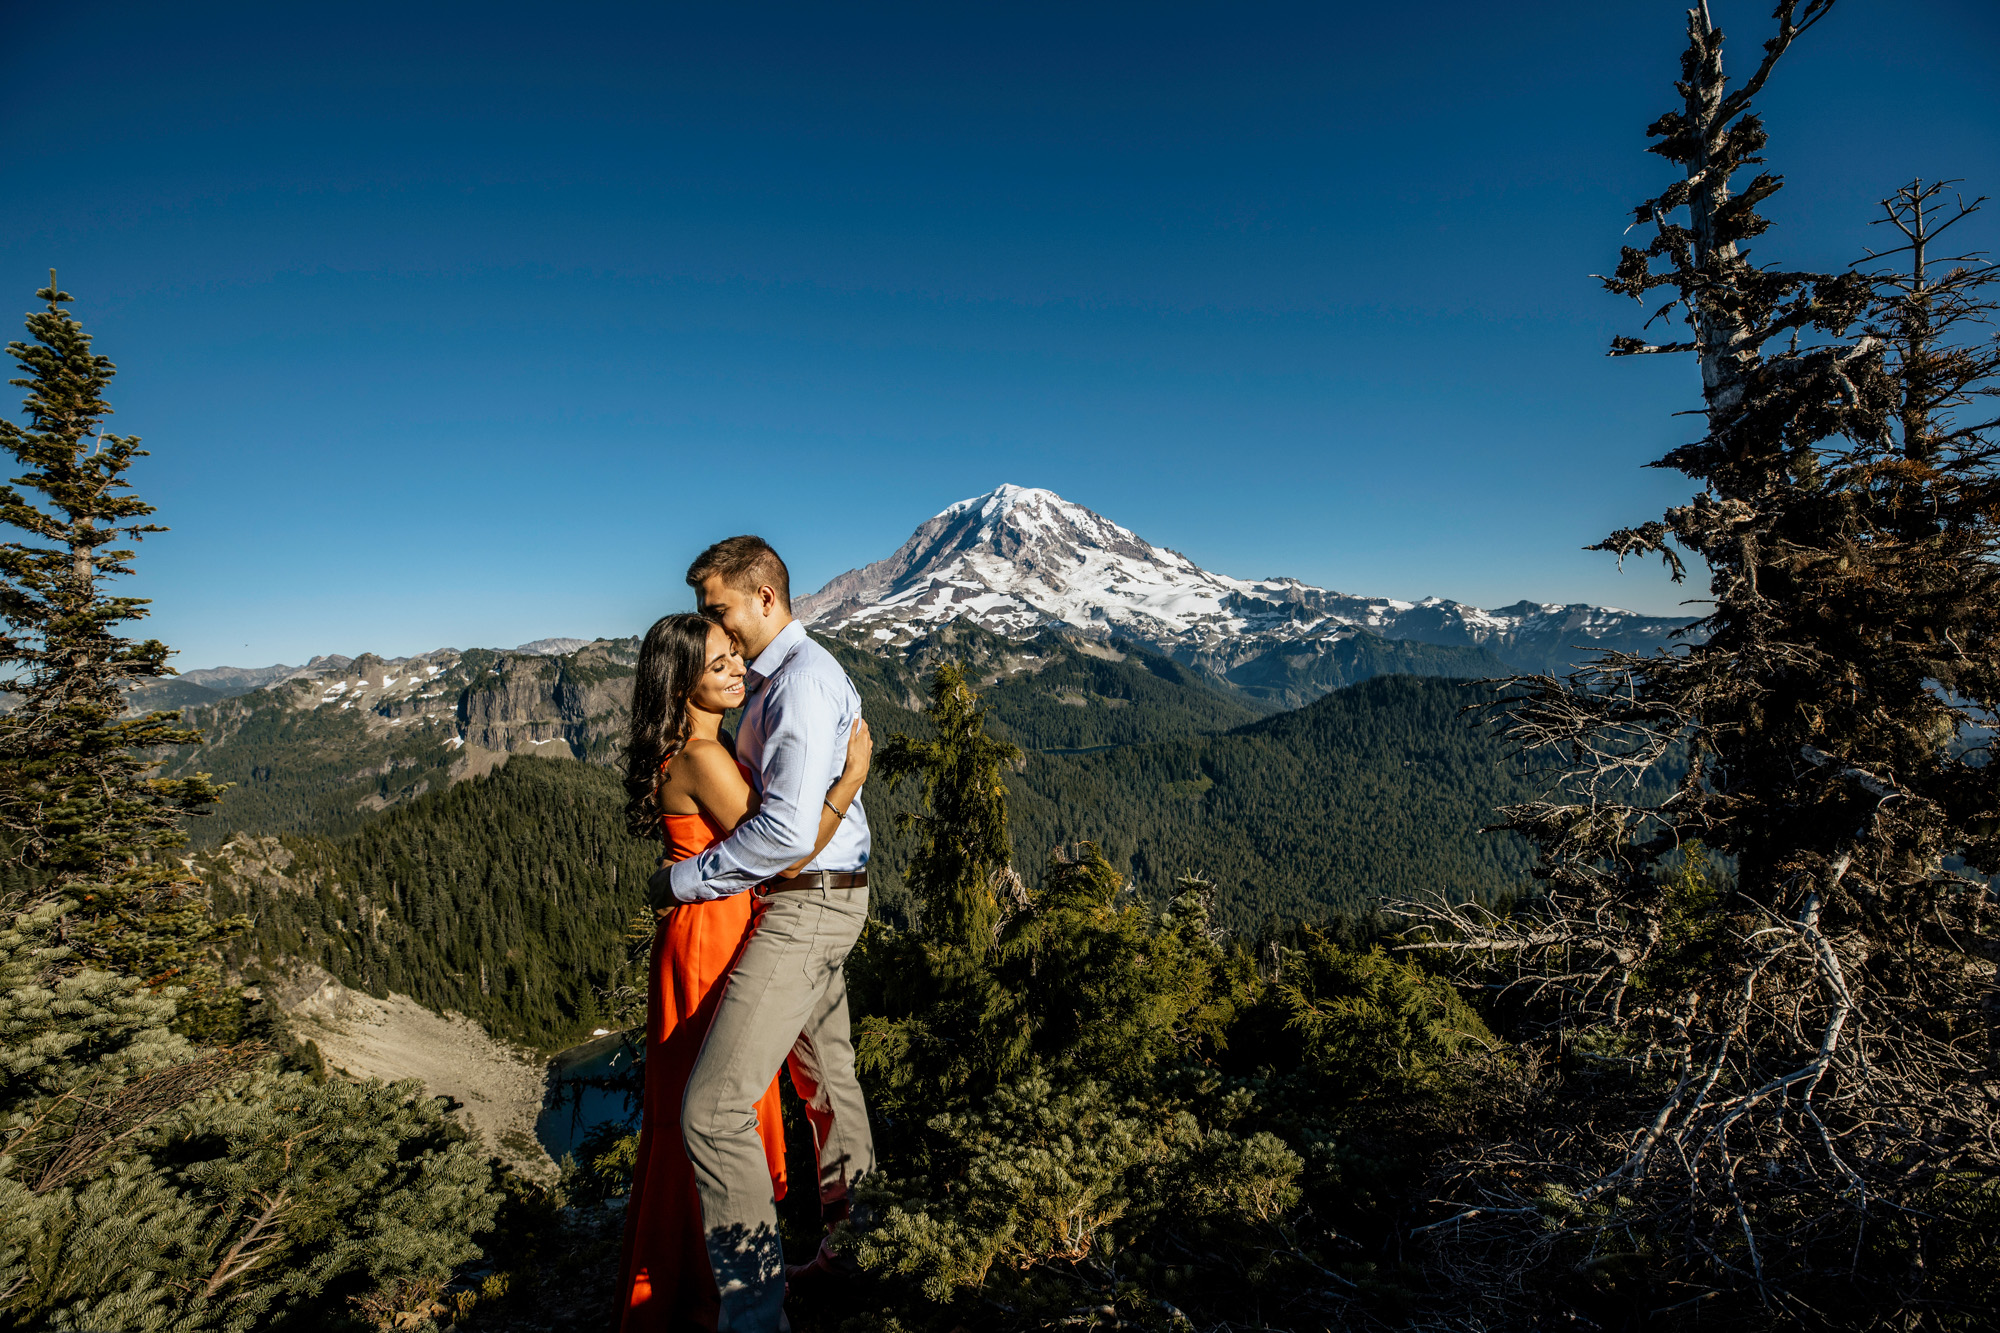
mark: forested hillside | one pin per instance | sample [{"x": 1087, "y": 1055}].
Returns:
[
  {"x": 509, "y": 897},
  {"x": 1378, "y": 790},
  {"x": 505, "y": 898},
  {"x": 1061, "y": 691},
  {"x": 1056, "y": 691},
  {"x": 298, "y": 771},
  {"x": 326, "y": 753}
]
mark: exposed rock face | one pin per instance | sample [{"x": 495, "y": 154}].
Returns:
[
  {"x": 388, "y": 730},
  {"x": 515, "y": 708},
  {"x": 576, "y": 705},
  {"x": 261, "y": 861}
]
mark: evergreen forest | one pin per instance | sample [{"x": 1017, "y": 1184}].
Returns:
[{"x": 500, "y": 897}]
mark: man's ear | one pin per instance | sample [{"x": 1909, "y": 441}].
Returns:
[{"x": 767, "y": 599}]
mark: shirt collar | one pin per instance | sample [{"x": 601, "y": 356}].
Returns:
[{"x": 777, "y": 650}]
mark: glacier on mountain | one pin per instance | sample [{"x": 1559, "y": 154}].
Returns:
[{"x": 1019, "y": 560}]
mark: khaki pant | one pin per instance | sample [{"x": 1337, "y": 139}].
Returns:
[{"x": 785, "y": 1002}]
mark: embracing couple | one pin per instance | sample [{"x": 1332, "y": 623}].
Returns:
[{"x": 761, "y": 894}]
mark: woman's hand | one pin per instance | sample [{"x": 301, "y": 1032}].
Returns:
[{"x": 860, "y": 749}]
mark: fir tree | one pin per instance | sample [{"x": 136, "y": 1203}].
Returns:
[
  {"x": 80, "y": 813},
  {"x": 147, "y": 1183},
  {"x": 961, "y": 864},
  {"x": 1775, "y": 1087}
]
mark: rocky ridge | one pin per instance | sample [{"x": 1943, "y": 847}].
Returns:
[
  {"x": 325, "y": 745},
  {"x": 1043, "y": 579}
]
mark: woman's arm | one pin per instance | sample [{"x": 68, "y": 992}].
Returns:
[
  {"x": 706, "y": 774},
  {"x": 860, "y": 748},
  {"x": 711, "y": 777}
]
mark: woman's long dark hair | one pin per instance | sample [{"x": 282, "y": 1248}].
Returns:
[{"x": 671, "y": 661}]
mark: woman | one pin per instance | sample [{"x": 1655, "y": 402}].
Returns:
[{"x": 685, "y": 783}]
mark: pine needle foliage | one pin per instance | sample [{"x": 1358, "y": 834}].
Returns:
[
  {"x": 81, "y": 815},
  {"x": 1373, "y": 1027},
  {"x": 962, "y": 854},
  {"x": 1105, "y": 1106},
  {"x": 147, "y": 1182},
  {"x": 1779, "y": 1086}
]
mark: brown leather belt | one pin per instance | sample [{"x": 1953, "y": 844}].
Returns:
[{"x": 815, "y": 879}]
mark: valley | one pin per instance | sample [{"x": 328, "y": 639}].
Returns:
[{"x": 515, "y": 897}]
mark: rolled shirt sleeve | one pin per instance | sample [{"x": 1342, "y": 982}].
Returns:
[{"x": 805, "y": 732}]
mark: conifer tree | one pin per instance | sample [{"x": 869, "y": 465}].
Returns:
[
  {"x": 81, "y": 816},
  {"x": 1776, "y": 1088},
  {"x": 147, "y": 1183},
  {"x": 1042, "y": 1162},
  {"x": 961, "y": 864}
]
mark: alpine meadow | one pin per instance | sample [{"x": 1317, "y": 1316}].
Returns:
[{"x": 1242, "y": 954}]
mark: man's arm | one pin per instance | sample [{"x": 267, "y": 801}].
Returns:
[
  {"x": 802, "y": 754},
  {"x": 833, "y": 808}
]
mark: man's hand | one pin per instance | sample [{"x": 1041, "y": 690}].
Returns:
[{"x": 660, "y": 889}]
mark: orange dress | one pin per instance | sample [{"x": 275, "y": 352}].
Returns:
[{"x": 667, "y": 1284}]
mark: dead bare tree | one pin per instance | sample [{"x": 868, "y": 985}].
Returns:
[
  {"x": 1772, "y": 1086},
  {"x": 72, "y": 1134}
]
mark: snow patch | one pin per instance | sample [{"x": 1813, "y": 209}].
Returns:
[{"x": 1019, "y": 559}]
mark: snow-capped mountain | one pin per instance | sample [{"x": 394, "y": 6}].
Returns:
[
  {"x": 552, "y": 647},
  {"x": 1017, "y": 561}
]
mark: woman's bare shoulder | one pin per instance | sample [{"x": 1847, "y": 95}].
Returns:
[
  {"x": 701, "y": 750},
  {"x": 693, "y": 758},
  {"x": 706, "y": 760}
]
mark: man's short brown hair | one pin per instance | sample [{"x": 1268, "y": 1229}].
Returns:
[{"x": 746, "y": 564}]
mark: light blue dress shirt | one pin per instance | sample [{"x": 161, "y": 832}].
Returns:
[{"x": 793, "y": 737}]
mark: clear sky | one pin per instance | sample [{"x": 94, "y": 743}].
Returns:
[{"x": 471, "y": 324}]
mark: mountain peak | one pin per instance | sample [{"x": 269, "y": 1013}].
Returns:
[
  {"x": 1019, "y": 559},
  {"x": 1013, "y": 560}
]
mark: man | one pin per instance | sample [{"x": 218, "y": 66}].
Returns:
[{"x": 786, "y": 998}]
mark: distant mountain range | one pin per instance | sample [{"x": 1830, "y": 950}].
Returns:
[
  {"x": 208, "y": 684},
  {"x": 1082, "y": 636},
  {"x": 1016, "y": 561},
  {"x": 1269, "y": 735}
]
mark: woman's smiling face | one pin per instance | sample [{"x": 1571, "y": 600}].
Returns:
[{"x": 721, "y": 685}]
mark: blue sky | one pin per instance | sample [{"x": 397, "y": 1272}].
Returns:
[{"x": 471, "y": 324}]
